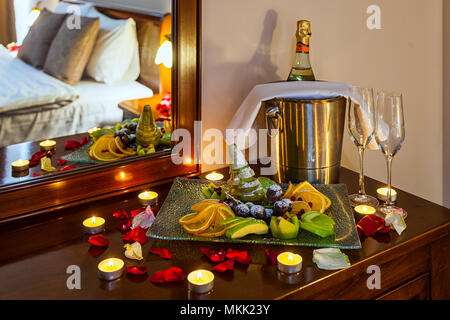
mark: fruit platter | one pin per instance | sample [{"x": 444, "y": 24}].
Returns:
[
  {"x": 250, "y": 209},
  {"x": 135, "y": 137}
]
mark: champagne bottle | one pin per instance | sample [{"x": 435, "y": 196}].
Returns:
[{"x": 301, "y": 69}]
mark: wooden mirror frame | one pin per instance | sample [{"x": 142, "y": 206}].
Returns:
[{"x": 66, "y": 189}]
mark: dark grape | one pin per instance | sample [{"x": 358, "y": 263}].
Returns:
[
  {"x": 126, "y": 140},
  {"x": 279, "y": 208},
  {"x": 242, "y": 210},
  {"x": 249, "y": 204},
  {"x": 257, "y": 212},
  {"x": 132, "y": 127},
  {"x": 274, "y": 193},
  {"x": 132, "y": 137},
  {"x": 268, "y": 214},
  {"x": 288, "y": 203}
]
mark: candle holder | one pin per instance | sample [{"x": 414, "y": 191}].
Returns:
[
  {"x": 20, "y": 168},
  {"x": 200, "y": 281},
  {"x": 94, "y": 225},
  {"x": 48, "y": 145},
  {"x": 289, "y": 278},
  {"x": 363, "y": 210},
  {"x": 214, "y": 176},
  {"x": 289, "y": 263},
  {"x": 110, "y": 269},
  {"x": 148, "y": 198},
  {"x": 382, "y": 194}
]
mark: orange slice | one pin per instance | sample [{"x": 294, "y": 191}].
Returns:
[
  {"x": 288, "y": 192},
  {"x": 123, "y": 149},
  {"x": 294, "y": 189},
  {"x": 313, "y": 198},
  {"x": 308, "y": 186},
  {"x": 202, "y": 224},
  {"x": 187, "y": 217},
  {"x": 217, "y": 228},
  {"x": 298, "y": 206},
  {"x": 203, "y": 215},
  {"x": 112, "y": 148},
  {"x": 225, "y": 212},
  {"x": 99, "y": 150},
  {"x": 203, "y": 204}
]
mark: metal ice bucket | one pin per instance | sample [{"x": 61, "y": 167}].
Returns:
[{"x": 309, "y": 139}]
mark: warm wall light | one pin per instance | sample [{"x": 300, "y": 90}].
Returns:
[{"x": 164, "y": 54}]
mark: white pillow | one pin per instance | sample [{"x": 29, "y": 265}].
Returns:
[
  {"x": 115, "y": 56},
  {"x": 63, "y": 7}
]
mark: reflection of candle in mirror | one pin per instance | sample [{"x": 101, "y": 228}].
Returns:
[
  {"x": 148, "y": 198},
  {"x": 200, "y": 281},
  {"x": 47, "y": 145},
  {"x": 362, "y": 210},
  {"x": 289, "y": 262},
  {"x": 110, "y": 269},
  {"x": 187, "y": 161},
  {"x": 94, "y": 225},
  {"x": 214, "y": 176},
  {"x": 20, "y": 165},
  {"x": 93, "y": 129},
  {"x": 382, "y": 194}
]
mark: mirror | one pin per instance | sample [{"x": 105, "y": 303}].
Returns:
[{"x": 119, "y": 108}]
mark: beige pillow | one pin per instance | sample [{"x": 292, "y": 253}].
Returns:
[
  {"x": 71, "y": 49},
  {"x": 36, "y": 44}
]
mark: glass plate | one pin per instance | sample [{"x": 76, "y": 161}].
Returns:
[{"x": 186, "y": 192}]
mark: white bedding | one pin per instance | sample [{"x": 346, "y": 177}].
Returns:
[
  {"x": 22, "y": 86},
  {"x": 97, "y": 106}
]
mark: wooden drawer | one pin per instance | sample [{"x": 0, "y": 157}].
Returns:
[{"x": 416, "y": 289}]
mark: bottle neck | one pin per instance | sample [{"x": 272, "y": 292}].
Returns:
[{"x": 302, "y": 55}]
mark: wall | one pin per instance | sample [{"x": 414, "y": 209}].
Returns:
[
  {"x": 157, "y": 6},
  {"x": 252, "y": 41},
  {"x": 446, "y": 113}
]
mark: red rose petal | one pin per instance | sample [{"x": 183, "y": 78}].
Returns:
[
  {"x": 224, "y": 266},
  {"x": 84, "y": 140},
  {"x": 162, "y": 252},
  {"x": 134, "y": 213},
  {"x": 36, "y": 175},
  {"x": 66, "y": 168},
  {"x": 214, "y": 256},
  {"x": 36, "y": 158},
  {"x": 239, "y": 256},
  {"x": 136, "y": 235},
  {"x": 273, "y": 255},
  {"x": 72, "y": 145},
  {"x": 124, "y": 225},
  {"x": 137, "y": 270},
  {"x": 370, "y": 225},
  {"x": 122, "y": 215},
  {"x": 98, "y": 241},
  {"x": 60, "y": 162},
  {"x": 172, "y": 274}
]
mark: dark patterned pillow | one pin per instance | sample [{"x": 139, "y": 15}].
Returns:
[
  {"x": 71, "y": 49},
  {"x": 36, "y": 44}
]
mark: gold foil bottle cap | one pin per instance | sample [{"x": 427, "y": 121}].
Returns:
[{"x": 304, "y": 31}]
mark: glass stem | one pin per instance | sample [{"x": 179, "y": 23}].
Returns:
[
  {"x": 389, "y": 176},
  {"x": 362, "y": 190}
]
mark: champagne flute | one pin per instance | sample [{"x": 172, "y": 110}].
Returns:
[
  {"x": 389, "y": 134},
  {"x": 361, "y": 126}
]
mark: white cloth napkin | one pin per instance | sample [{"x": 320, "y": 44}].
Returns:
[{"x": 245, "y": 116}]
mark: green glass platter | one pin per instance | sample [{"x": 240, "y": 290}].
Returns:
[{"x": 186, "y": 192}]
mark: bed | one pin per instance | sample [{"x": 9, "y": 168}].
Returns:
[{"x": 36, "y": 106}]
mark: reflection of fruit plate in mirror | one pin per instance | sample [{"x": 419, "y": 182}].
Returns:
[{"x": 186, "y": 192}]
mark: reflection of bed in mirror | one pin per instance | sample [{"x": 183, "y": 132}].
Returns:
[{"x": 35, "y": 106}]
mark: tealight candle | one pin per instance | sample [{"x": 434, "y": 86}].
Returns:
[
  {"x": 94, "y": 225},
  {"x": 20, "y": 165},
  {"x": 214, "y": 176},
  {"x": 363, "y": 210},
  {"x": 200, "y": 281},
  {"x": 382, "y": 194},
  {"x": 110, "y": 269},
  {"x": 93, "y": 129},
  {"x": 148, "y": 198},
  {"x": 289, "y": 262},
  {"x": 48, "y": 145}
]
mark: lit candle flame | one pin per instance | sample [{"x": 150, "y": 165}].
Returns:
[
  {"x": 188, "y": 160},
  {"x": 290, "y": 257},
  {"x": 110, "y": 262},
  {"x": 199, "y": 274},
  {"x": 93, "y": 220}
]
